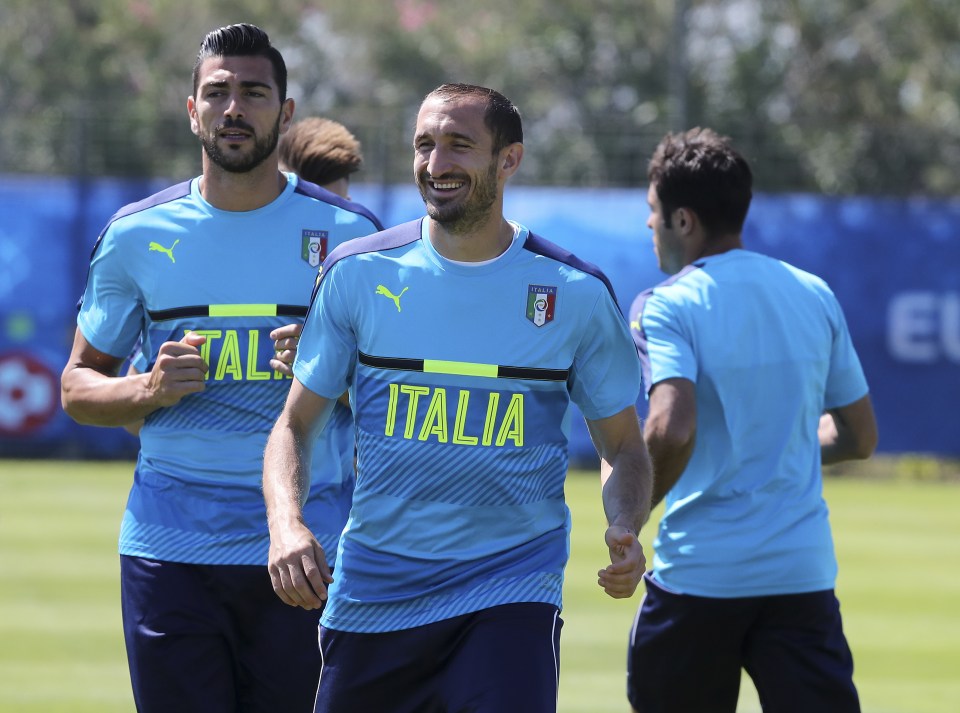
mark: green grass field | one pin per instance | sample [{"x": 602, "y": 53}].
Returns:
[{"x": 61, "y": 648}]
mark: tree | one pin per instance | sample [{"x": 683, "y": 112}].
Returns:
[
  {"x": 100, "y": 86},
  {"x": 832, "y": 96}
]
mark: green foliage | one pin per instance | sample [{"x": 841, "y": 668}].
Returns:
[
  {"x": 849, "y": 97},
  {"x": 100, "y": 86},
  {"x": 578, "y": 72},
  {"x": 835, "y": 97},
  {"x": 896, "y": 543}
]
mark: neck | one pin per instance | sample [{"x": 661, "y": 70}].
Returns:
[
  {"x": 241, "y": 191},
  {"x": 481, "y": 242},
  {"x": 720, "y": 244}
]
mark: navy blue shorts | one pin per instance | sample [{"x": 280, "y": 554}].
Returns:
[
  {"x": 686, "y": 653},
  {"x": 504, "y": 659},
  {"x": 215, "y": 639}
]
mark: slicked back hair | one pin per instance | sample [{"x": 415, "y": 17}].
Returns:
[
  {"x": 242, "y": 40},
  {"x": 700, "y": 170},
  {"x": 502, "y": 118}
]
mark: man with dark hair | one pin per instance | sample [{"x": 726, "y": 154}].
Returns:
[
  {"x": 207, "y": 275},
  {"x": 501, "y": 117},
  {"x": 241, "y": 40},
  {"x": 322, "y": 151},
  {"x": 753, "y": 383},
  {"x": 463, "y": 339}
]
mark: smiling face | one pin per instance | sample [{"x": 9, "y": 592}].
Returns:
[
  {"x": 454, "y": 164},
  {"x": 237, "y": 113}
]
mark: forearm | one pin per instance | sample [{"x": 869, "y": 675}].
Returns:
[
  {"x": 669, "y": 462},
  {"x": 286, "y": 459},
  {"x": 94, "y": 398},
  {"x": 840, "y": 442},
  {"x": 286, "y": 480},
  {"x": 627, "y": 487},
  {"x": 670, "y": 432}
]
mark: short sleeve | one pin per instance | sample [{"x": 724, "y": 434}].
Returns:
[
  {"x": 663, "y": 342},
  {"x": 111, "y": 316},
  {"x": 326, "y": 353},
  {"x": 846, "y": 381},
  {"x": 606, "y": 373}
]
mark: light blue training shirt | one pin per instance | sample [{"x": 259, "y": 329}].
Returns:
[
  {"x": 461, "y": 377},
  {"x": 767, "y": 346},
  {"x": 173, "y": 263}
]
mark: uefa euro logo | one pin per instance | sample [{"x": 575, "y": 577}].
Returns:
[{"x": 313, "y": 247}]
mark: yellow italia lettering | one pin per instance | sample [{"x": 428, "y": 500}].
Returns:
[
  {"x": 414, "y": 392},
  {"x": 229, "y": 361},
  {"x": 462, "y": 403},
  {"x": 392, "y": 410},
  {"x": 435, "y": 422},
  {"x": 491, "y": 420},
  {"x": 210, "y": 334},
  {"x": 512, "y": 426},
  {"x": 497, "y": 432},
  {"x": 253, "y": 349}
]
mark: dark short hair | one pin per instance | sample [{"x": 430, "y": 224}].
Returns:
[
  {"x": 320, "y": 150},
  {"x": 502, "y": 118},
  {"x": 242, "y": 40},
  {"x": 700, "y": 170}
]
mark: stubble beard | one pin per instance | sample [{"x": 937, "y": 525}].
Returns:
[
  {"x": 463, "y": 217},
  {"x": 243, "y": 163}
]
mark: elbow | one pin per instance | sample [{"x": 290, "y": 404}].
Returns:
[
  {"x": 866, "y": 445},
  {"x": 68, "y": 404},
  {"x": 77, "y": 413},
  {"x": 76, "y": 409},
  {"x": 671, "y": 438},
  {"x": 68, "y": 401},
  {"x": 864, "y": 438},
  {"x": 854, "y": 445}
]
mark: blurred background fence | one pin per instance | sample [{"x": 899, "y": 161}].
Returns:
[
  {"x": 894, "y": 264},
  {"x": 848, "y": 112}
]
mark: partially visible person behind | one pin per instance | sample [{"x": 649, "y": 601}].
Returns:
[
  {"x": 753, "y": 383},
  {"x": 204, "y": 275},
  {"x": 322, "y": 151},
  {"x": 464, "y": 338}
]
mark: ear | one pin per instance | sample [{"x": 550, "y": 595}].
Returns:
[
  {"x": 192, "y": 113},
  {"x": 510, "y": 157},
  {"x": 684, "y": 221},
  {"x": 286, "y": 114},
  {"x": 688, "y": 229}
]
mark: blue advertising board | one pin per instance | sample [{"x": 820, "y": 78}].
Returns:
[{"x": 893, "y": 264}]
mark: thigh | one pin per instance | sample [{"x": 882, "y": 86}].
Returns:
[
  {"x": 173, "y": 627},
  {"x": 275, "y": 645},
  {"x": 389, "y": 672},
  {"x": 798, "y": 657},
  {"x": 685, "y": 652},
  {"x": 507, "y": 660}
]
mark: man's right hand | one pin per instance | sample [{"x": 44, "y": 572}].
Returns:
[
  {"x": 298, "y": 567},
  {"x": 179, "y": 370}
]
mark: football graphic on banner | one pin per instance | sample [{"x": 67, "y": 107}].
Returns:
[{"x": 29, "y": 394}]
